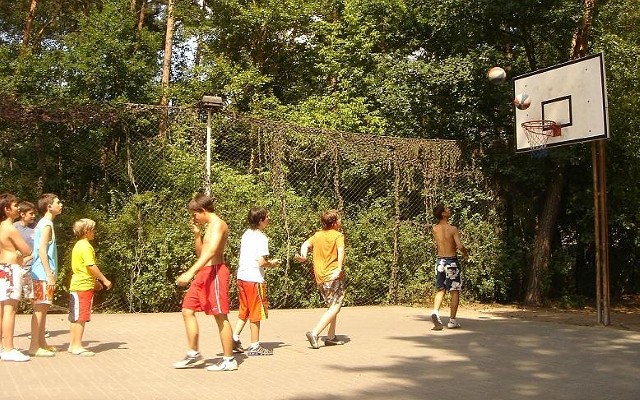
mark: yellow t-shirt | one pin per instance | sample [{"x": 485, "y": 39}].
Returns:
[
  {"x": 82, "y": 257},
  {"x": 325, "y": 244}
]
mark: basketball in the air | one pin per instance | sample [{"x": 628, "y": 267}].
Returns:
[
  {"x": 496, "y": 75},
  {"x": 522, "y": 101}
]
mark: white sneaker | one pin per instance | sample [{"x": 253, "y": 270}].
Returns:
[
  {"x": 189, "y": 361},
  {"x": 453, "y": 325},
  {"x": 224, "y": 365},
  {"x": 14, "y": 355}
]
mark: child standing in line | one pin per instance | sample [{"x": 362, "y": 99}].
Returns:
[
  {"x": 86, "y": 275},
  {"x": 13, "y": 249},
  {"x": 43, "y": 272},
  {"x": 26, "y": 224},
  {"x": 252, "y": 289},
  {"x": 328, "y": 258}
]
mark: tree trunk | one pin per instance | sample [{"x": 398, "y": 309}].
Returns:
[
  {"x": 166, "y": 67},
  {"x": 198, "y": 55},
  {"x": 541, "y": 252},
  {"x": 143, "y": 9},
  {"x": 580, "y": 41},
  {"x": 27, "y": 28},
  {"x": 140, "y": 23}
]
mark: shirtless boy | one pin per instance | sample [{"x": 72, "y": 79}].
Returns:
[
  {"x": 13, "y": 249},
  {"x": 447, "y": 238},
  {"x": 209, "y": 291}
]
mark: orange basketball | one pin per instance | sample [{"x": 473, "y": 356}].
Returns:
[
  {"x": 496, "y": 75},
  {"x": 522, "y": 101}
]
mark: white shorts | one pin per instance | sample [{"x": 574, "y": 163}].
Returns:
[{"x": 11, "y": 281}]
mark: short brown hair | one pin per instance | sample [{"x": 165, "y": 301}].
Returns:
[
  {"x": 25, "y": 206},
  {"x": 6, "y": 199},
  {"x": 255, "y": 216},
  {"x": 329, "y": 218},
  {"x": 201, "y": 202},
  {"x": 82, "y": 226},
  {"x": 438, "y": 210},
  {"x": 44, "y": 201}
]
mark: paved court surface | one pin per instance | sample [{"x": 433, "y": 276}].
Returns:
[{"x": 391, "y": 353}]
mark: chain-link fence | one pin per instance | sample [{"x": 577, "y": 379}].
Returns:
[{"x": 112, "y": 165}]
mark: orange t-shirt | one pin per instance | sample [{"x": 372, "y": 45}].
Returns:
[{"x": 325, "y": 246}]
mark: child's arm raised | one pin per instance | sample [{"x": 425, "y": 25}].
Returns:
[
  {"x": 212, "y": 244},
  {"x": 197, "y": 237}
]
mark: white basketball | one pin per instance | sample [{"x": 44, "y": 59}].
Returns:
[
  {"x": 496, "y": 75},
  {"x": 522, "y": 101}
]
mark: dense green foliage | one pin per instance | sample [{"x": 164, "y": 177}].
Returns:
[{"x": 405, "y": 68}]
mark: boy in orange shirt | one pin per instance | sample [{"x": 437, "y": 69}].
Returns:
[{"x": 328, "y": 257}]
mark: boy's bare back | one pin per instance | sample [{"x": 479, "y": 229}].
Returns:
[{"x": 447, "y": 239}]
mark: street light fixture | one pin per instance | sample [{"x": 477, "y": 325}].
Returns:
[{"x": 211, "y": 104}]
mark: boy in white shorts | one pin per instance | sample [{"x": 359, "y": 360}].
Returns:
[{"x": 13, "y": 249}]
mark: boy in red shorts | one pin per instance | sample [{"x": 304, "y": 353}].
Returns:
[
  {"x": 83, "y": 283},
  {"x": 252, "y": 289},
  {"x": 209, "y": 291}
]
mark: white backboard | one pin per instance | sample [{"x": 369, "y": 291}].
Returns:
[{"x": 573, "y": 94}]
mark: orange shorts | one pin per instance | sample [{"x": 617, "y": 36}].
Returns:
[
  {"x": 209, "y": 291},
  {"x": 41, "y": 293},
  {"x": 80, "y": 306},
  {"x": 253, "y": 301}
]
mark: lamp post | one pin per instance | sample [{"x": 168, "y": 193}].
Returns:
[{"x": 211, "y": 104}]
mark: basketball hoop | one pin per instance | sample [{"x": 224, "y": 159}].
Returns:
[{"x": 538, "y": 132}]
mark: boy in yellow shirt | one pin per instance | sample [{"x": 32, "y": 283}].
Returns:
[
  {"x": 328, "y": 257},
  {"x": 85, "y": 279}
]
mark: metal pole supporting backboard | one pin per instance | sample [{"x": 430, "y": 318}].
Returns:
[
  {"x": 601, "y": 233},
  {"x": 208, "y": 168}
]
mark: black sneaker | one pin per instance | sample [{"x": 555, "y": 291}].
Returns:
[
  {"x": 189, "y": 361},
  {"x": 313, "y": 340},
  {"x": 437, "y": 324},
  {"x": 259, "y": 351},
  {"x": 333, "y": 342},
  {"x": 237, "y": 347}
]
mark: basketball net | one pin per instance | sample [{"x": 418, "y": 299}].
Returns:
[{"x": 538, "y": 133}]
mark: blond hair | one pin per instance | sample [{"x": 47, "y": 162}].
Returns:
[{"x": 82, "y": 226}]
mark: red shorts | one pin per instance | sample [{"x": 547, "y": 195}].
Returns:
[
  {"x": 253, "y": 301},
  {"x": 80, "y": 306},
  {"x": 209, "y": 291}
]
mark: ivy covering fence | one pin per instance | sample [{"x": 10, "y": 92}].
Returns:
[{"x": 110, "y": 164}]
